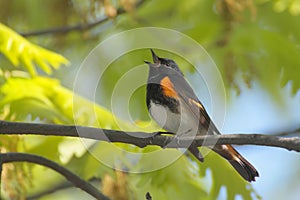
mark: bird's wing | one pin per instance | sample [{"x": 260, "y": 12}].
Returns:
[{"x": 186, "y": 93}]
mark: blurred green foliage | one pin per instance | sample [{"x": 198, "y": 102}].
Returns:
[
  {"x": 258, "y": 39},
  {"x": 20, "y": 52}
]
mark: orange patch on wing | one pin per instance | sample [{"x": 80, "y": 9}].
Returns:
[
  {"x": 196, "y": 103},
  {"x": 168, "y": 88},
  {"x": 232, "y": 151}
]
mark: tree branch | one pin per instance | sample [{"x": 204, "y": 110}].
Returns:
[
  {"x": 142, "y": 139},
  {"x": 78, "y": 27},
  {"x": 77, "y": 181}
]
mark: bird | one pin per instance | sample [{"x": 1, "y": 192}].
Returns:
[{"x": 173, "y": 104}]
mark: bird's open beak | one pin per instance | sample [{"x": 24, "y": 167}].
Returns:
[{"x": 155, "y": 58}]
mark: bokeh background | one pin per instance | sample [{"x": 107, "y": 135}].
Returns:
[{"x": 253, "y": 43}]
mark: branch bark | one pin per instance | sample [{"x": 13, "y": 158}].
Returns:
[
  {"x": 142, "y": 139},
  {"x": 77, "y": 181}
]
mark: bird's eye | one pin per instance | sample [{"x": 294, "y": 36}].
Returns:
[{"x": 168, "y": 64}]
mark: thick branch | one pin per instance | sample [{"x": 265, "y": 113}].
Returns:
[
  {"x": 142, "y": 139},
  {"x": 77, "y": 181}
]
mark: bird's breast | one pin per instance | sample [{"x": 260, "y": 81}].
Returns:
[{"x": 180, "y": 122}]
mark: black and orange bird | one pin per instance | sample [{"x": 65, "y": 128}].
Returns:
[{"x": 175, "y": 107}]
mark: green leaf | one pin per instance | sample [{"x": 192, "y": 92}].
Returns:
[
  {"x": 92, "y": 166},
  {"x": 21, "y": 52},
  {"x": 293, "y": 6},
  {"x": 176, "y": 180},
  {"x": 46, "y": 99},
  {"x": 223, "y": 174},
  {"x": 31, "y": 97}
]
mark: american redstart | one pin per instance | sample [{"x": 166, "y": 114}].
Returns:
[{"x": 175, "y": 107}]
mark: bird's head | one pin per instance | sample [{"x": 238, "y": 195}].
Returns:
[{"x": 162, "y": 63}]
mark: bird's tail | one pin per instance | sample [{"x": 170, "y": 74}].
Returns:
[{"x": 240, "y": 164}]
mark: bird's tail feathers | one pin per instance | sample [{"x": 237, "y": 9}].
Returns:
[{"x": 240, "y": 164}]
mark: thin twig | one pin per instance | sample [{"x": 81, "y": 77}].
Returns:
[
  {"x": 77, "y": 27},
  {"x": 142, "y": 139},
  {"x": 77, "y": 181}
]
